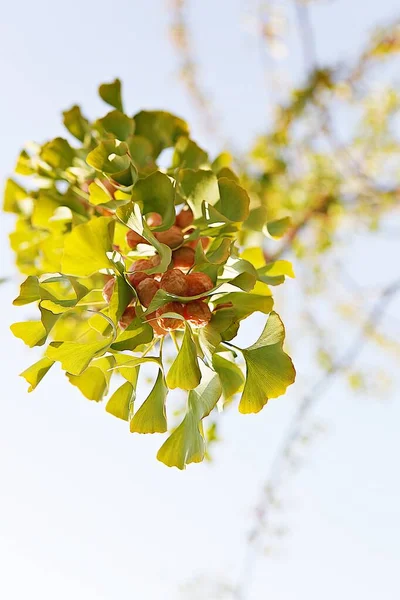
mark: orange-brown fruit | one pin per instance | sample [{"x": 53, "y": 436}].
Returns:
[
  {"x": 136, "y": 277},
  {"x": 154, "y": 219},
  {"x": 197, "y": 283},
  {"x": 174, "y": 282},
  {"x": 197, "y": 313},
  {"x": 151, "y": 318},
  {"x": 170, "y": 323},
  {"x": 146, "y": 291},
  {"x": 133, "y": 239},
  {"x": 184, "y": 218},
  {"x": 145, "y": 263},
  {"x": 183, "y": 258},
  {"x": 173, "y": 237},
  {"x": 205, "y": 241},
  {"x": 127, "y": 317},
  {"x": 108, "y": 289}
]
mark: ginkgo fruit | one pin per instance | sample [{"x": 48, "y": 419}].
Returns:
[
  {"x": 172, "y": 237},
  {"x": 127, "y": 317},
  {"x": 185, "y": 218},
  {"x": 198, "y": 283},
  {"x": 170, "y": 323},
  {"x": 108, "y": 289},
  {"x": 197, "y": 313},
  {"x": 174, "y": 282},
  {"x": 146, "y": 291},
  {"x": 183, "y": 258}
]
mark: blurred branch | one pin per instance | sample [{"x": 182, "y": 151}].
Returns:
[{"x": 294, "y": 433}]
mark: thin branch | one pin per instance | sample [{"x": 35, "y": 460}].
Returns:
[{"x": 294, "y": 431}]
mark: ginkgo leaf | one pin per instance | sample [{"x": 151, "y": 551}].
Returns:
[
  {"x": 151, "y": 416},
  {"x": 75, "y": 357},
  {"x": 233, "y": 200},
  {"x": 29, "y": 291},
  {"x": 137, "y": 333},
  {"x": 187, "y": 444},
  {"x": 230, "y": 375},
  {"x": 131, "y": 215},
  {"x": 121, "y": 402},
  {"x": 13, "y": 194},
  {"x": 161, "y": 128},
  {"x": 32, "y": 333},
  {"x": 184, "y": 372},
  {"x": 246, "y": 304},
  {"x": 118, "y": 124},
  {"x": 277, "y": 228},
  {"x": 111, "y": 93},
  {"x": 275, "y": 273},
  {"x": 121, "y": 296},
  {"x": 35, "y": 373},
  {"x": 188, "y": 154},
  {"x": 86, "y": 246},
  {"x": 76, "y": 123},
  {"x": 269, "y": 370},
  {"x": 198, "y": 186},
  {"x": 156, "y": 193},
  {"x": 94, "y": 381}
]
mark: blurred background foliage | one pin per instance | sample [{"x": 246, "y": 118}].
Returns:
[{"x": 327, "y": 170}]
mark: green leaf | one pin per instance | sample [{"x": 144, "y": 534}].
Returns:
[
  {"x": 131, "y": 215},
  {"x": 245, "y": 304},
  {"x": 111, "y": 157},
  {"x": 269, "y": 370},
  {"x": 86, "y": 246},
  {"x": 98, "y": 194},
  {"x": 94, "y": 381},
  {"x": 117, "y": 123},
  {"x": 188, "y": 155},
  {"x": 256, "y": 219},
  {"x": 32, "y": 333},
  {"x": 277, "y": 228},
  {"x": 161, "y": 128},
  {"x": 13, "y": 194},
  {"x": 156, "y": 193},
  {"x": 29, "y": 291},
  {"x": 234, "y": 200},
  {"x": 57, "y": 153},
  {"x": 76, "y": 123},
  {"x": 187, "y": 443},
  {"x": 151, "y": 416},
  {"x": 75, "y": 357},
  {"x": 231, "y": 376},
  {"x": 35, "y": 373},
  {"x": 121, "y": 402},
  {"x": 228, "y": 174},
  {"x": 137, "y": 333},
  {"x": 238, "y": 273},
  {"x": 111, "y": 94},
  {"x": 198, "y": 187},
  {"x": 184, "y": 372},
  {"x": 275, "y": 273},
  {"x": 121, "y": 296}
]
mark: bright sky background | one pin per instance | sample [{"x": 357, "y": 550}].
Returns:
[{"x": 86, "y": 511}]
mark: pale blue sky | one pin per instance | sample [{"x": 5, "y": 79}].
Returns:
[{"x": 86, "y": 511}]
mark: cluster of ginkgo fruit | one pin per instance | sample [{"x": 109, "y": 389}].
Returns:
[{"x": 177, "y": 280}]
